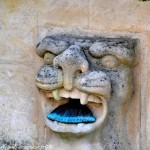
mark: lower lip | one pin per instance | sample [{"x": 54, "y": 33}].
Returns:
[{"x": 80, "y": 128}]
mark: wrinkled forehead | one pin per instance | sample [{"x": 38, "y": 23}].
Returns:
[{"x": 122, "y": 48}]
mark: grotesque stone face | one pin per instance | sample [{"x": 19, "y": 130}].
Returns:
[{"x": 87, "y": 82}]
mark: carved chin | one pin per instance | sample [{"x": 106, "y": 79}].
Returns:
[{"x": 70, "y": 114}]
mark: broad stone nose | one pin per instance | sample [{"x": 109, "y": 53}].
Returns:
[{"x": 71, "y": 61}]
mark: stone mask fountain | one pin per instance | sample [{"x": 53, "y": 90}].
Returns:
[{"x": 88, "y": 83}]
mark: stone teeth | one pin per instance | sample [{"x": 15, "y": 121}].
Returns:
[
  {"x": 83, "y": 98},
  {"x": 56, "y": 94},
  {"x": 75, "y": 94},
  {"x": 95, "y": 99},
  {"x": 64, "y": 93},
  {"x": 91, "y": 98}
]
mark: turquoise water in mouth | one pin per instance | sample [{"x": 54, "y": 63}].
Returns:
[{"x": 72, "y": 113}]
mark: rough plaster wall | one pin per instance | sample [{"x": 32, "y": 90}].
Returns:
[{"x": 21, "y": 22}]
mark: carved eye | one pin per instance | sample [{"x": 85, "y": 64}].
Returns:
[
  {"x": 48, "y": 58},
  {"x": 110, "y": 62}
]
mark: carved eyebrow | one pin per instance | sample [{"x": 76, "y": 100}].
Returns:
[
  {"x": 51, "y": 45},
  {"x": 124, "y": 53}
]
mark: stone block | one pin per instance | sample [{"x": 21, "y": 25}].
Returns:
[
  {"x": 18, "y": 106},
  {"x": 127, "y": 15},
  {"x": 17, "y": 31},
  {"x": 64, "y": 13}
]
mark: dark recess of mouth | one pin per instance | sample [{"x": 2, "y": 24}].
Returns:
[{"x": 72, "y": 113}]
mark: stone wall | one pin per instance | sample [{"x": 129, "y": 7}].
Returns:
[{"x": 24, "y": 23}]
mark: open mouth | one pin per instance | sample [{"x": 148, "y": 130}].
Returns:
[{"x": 70, "y": 115}]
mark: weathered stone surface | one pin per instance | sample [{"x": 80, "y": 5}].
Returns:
[
  {"x": 18, "y": 105},
  {"x": 123, "y": 15},
  {"x": 64, "y": 13},
  {"x": 147, "y": 123},
  {"x": 17, "y": 31},
  {"x": 145, "y": 97},
  {"x": 102, "y": 69},
  {"x": 24, "y": 22}
]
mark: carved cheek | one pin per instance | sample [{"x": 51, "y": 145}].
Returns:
[
  {"x": 49, "y": 78},
  {"x": 125, "y": 85},
  {"x": 96, "y": 82}
]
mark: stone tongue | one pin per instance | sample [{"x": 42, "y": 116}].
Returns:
[{"x": 72, "y": 113}]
